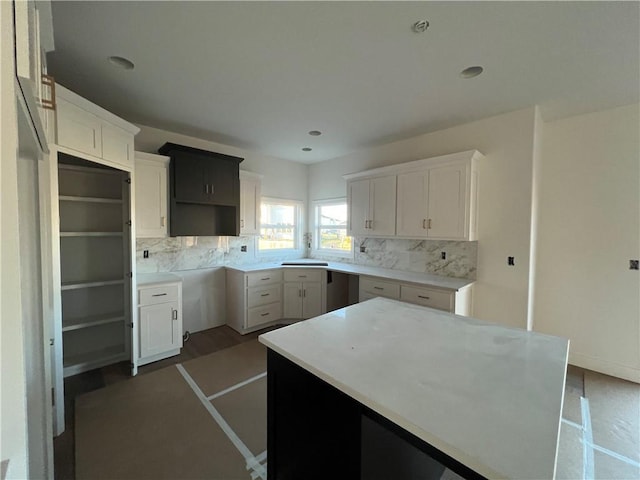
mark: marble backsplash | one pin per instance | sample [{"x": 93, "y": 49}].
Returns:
[
  {"x": 190, "y": 253},
  {"x": 424, "y": 256},
  {"x": 174, "y": 254}
]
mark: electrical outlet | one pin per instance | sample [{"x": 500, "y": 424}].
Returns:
[
  {"x": 511, "y": 260},
  {"x": 363, "y": 249},
  {"x": 145, "y": 254},
  {"x": 633, "y": 265},
  {"x": 243, "y": 248},
  {"x": 443, "y": 255}
]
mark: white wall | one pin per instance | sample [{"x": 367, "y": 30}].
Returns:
[
  {"x": 282, "y": 178},
  {"x": 13, "y": 414},
  {"x": 588, "y": 230},
  {"x": 504, "y": 215}
]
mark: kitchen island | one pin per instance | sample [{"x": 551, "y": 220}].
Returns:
[{"x": 384, "y": 382}]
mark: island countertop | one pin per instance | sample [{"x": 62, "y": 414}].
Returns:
[{"x": 486, "y": 395}]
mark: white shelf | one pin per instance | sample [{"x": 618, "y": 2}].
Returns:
[
  {"x": 77, "y": 285},
  {"x": 70, "y": 198},
  {"x": 90, "y": 234},
  {"x": 92, "y": 321},
  {"x": 88, "y": 361}
]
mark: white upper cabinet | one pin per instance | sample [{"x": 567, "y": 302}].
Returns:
[
  {"x": 33, "y": 23},
  {"x": 151, "y": 195},
  {"x": 412, "y": 204},
  {"x": 372, "y": 206},
  {"x": 446, "y": 203},
  {"x": 250, "y": 193},
  {"x": 436, "y": 199},
  {"x": 86, "y": 128}
]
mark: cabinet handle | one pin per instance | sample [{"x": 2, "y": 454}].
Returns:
[
  {"x": 370, "y": 224},
  {"x": 265, "y": 295},
  {"x": 174, "y": 314},
  {"x": 158, "y": 295},
  {"x": 429, "y": 224},
  {"x": 302, "y": 276},
  {"x": 424, "y": 223},
  {"x": 206, "y": 188},
  {"x": 49, "y": 81},
  {"x": 378, "y": 288},
  {"x": 212, "y": 189},
  {"x": 264, "y": 314},
  {"x": 366, "y": 224},
  {"x": 304, "y": 292},
  {"x": 266, "y": 278},
  {"x": 163, "y": 221},
  {"x": 422, "y": 296},
  {"x": 241, "y": 223},
  {"x": 299, "y": 292}
]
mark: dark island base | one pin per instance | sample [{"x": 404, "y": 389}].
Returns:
[{"x": 317, "y": 432}]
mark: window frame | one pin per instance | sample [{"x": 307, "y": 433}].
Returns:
[
  {"x": 317, "y": 204},
  {"x": 298, "y": 227}
]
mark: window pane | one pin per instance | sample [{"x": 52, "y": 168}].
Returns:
[
  {"x": 333, "y": 214},
  {"x": 279, "y": 226},
  {"x": 273, "y": 238},
  {"x": 275, "y": 214},
  {"x": 334, "y": 239}
]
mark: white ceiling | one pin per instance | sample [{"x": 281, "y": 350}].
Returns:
[{"x": 260, "y": 75}]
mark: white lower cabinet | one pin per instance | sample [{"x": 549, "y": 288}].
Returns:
[
  {"x": 160, "y": 320},
  {"x": 304, "y": 293},
  {"x": 453, "y": 301},
  {"x": 254, "y": 300}
]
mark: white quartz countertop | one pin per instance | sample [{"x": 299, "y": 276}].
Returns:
[
  {"x": 448, "y": 283},
  {"x": 486, "y": 395},
  {"x": 148, "y": 279}
]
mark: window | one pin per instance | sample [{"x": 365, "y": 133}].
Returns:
[
  {"x": 280, "y": 225},
  {"x": 331, "y": 228}
]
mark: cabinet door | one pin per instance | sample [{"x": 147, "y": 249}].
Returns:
[
  {"x": 190, "y": 179},
  {"x": 359, "y": 207},
  {"x": 151, "y": 200},
  {"x": 223, "y": 184},
  {"x": 311, "y": 300},
  {"x": 292, "y": 307},
  {"x": 249, "y": 206},
  {"x": 79, "y": 129},
  {"x": 159, "y": 329},
  {"x": 117, "y": 145},
  {"x": 411, "y": 211},
  {"x": 447, "y": 202},
  {"x": 383, "y": 205}
]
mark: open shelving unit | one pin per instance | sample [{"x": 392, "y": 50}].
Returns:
[{"x": 94, "y": 264}]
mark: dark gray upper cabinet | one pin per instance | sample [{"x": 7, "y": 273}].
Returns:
[
  {"x": 199, "y": 176},
  {"x": 204, "y": 191}
]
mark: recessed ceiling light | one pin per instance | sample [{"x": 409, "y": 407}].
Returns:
[
  {"x": 306, "y": 149},
  {"x": 315, "y": 133},
  {"x": 122, "y": 62},
  {"x": 471, "y": 72}
]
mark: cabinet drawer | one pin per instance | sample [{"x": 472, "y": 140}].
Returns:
[
  {"x": 303, "y": 275},
  {"x": 160, "y": 294},
  {"x": 380, "y": 287},
  {"x": 267, "y": 313},
  {"x": 263, "y": 296},
  {"x": 427, "y": 297},
  {"x": 265, "y": 277}
]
